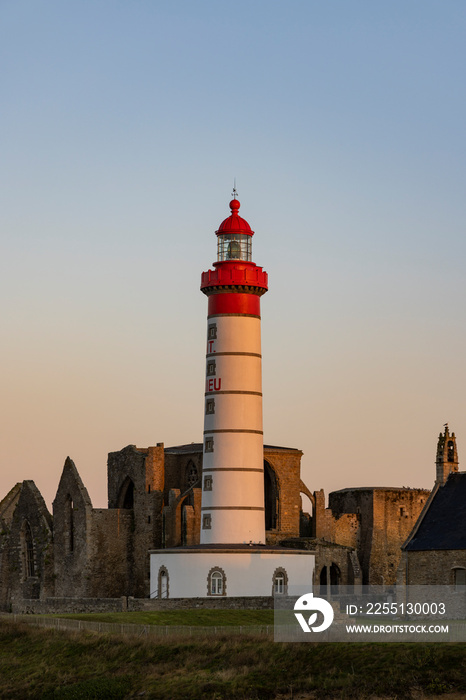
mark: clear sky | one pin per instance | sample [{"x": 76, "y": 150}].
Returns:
[{"x": 123, "y": 125}]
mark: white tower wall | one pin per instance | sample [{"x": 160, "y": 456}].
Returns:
[{"x": 233, "y": 495}]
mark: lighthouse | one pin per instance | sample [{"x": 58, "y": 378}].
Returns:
[
  {"x": 232, "y": 558},
  {"x": 233, "y": 463}
]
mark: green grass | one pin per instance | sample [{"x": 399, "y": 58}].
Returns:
[
  {"x": 47, "y": 664},
  {"x": 202, "y": 618}
]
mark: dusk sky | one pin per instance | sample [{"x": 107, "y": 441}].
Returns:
[{"x": 123, "y": 126}]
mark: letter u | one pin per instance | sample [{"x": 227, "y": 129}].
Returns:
[{"x": 217, "y": 388}]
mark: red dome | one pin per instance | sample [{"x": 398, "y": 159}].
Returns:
[{"x": 234, "y": 223}]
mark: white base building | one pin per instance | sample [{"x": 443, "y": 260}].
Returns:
[{"x": 228, "y": 571}]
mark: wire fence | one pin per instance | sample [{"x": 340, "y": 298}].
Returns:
[{"x": 140, "y": 630}]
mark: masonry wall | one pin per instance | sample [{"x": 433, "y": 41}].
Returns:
[
  {"x": 432, "y": 567},
  {"x": 286, "y": 465},
  {"x": 374, "y": 521},
  {"x": 109, "y": 548},
  {"x": 35, "y": 579}
]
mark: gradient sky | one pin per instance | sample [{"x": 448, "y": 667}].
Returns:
[{"x": 123, "y": 125}]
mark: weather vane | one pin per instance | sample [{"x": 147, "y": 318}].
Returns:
[{"x": 235, "y": 193}]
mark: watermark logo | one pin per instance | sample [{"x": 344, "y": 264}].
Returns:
[{"x": 309, "y": 604}]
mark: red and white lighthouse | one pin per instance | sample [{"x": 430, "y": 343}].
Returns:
[{"x": 233, "y": 466}]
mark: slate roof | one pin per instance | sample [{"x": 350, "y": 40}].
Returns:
[
  {"x": 198, "y": 447},
  {"x": 444, "y": 524}
]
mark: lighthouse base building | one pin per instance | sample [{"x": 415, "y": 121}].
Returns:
[{"x": 236, "y": 571}]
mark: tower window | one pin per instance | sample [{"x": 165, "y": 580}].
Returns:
[
  {"x": 208, "y": 483},
  {"x": 211, "y": 368},
  {"x": 209, "y": 444},
  {"x": 212, "y": 331},
  {"x": 210, "y": 406},
  {"x": 207, "y": 522},
  {"x": 451, "y": 451}
]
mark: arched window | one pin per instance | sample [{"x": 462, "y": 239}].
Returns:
[
  {"x": 216, "y": 582},
  {"x": 280, "y": 581},
  {"x": 163, "y": 583},
  {"x": 29, "y": 568}
]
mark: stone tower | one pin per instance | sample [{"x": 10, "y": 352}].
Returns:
[
  {"x": 447, "y": 456},
  {"x": 233, "y": 462}
]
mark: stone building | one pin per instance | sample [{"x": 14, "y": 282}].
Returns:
[
  {"x": 373, "y": 522},
  {"x": 153, "y": 502}
]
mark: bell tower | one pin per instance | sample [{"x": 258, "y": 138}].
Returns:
[
  {"x": 447, "y": 456},
  {"x": 233, "y": 462}
]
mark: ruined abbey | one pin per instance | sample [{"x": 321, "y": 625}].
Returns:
[
  {"x": 80, "y": 556},
  {"x": 84, "y": 553}
]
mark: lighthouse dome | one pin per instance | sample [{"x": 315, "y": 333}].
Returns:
[{"x": 235, "y": 223}]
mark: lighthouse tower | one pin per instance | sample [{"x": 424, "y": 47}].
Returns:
[
  {"x": 232, "y": 558},
  {"x": 233, "y": 462}
]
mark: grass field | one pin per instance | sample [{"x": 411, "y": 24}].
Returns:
[
  {"x": 46, "y": 664},
  {"x": 201, "y": 618}
]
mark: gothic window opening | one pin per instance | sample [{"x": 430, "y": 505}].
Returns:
[
  {"x": 69, "y": 525},
  {"x": 28, "y": 551},
  {"x": 126, "y": 495},
  {"x": 206, "y": 522},
  {"x": 193, "y": 475},
  {"x": 270, "y": 497}
]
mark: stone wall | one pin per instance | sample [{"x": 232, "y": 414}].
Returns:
[
  {"x": 30, "y": 553},
  {"x": 154, "y": 498},
  {"x": 57, "y": 606},
  {"x": 250, "y": 603},
  {"x": 431, "y": 567},
  {"x": 286, "y": 465},
  {"x": 375, "y": 522}
]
